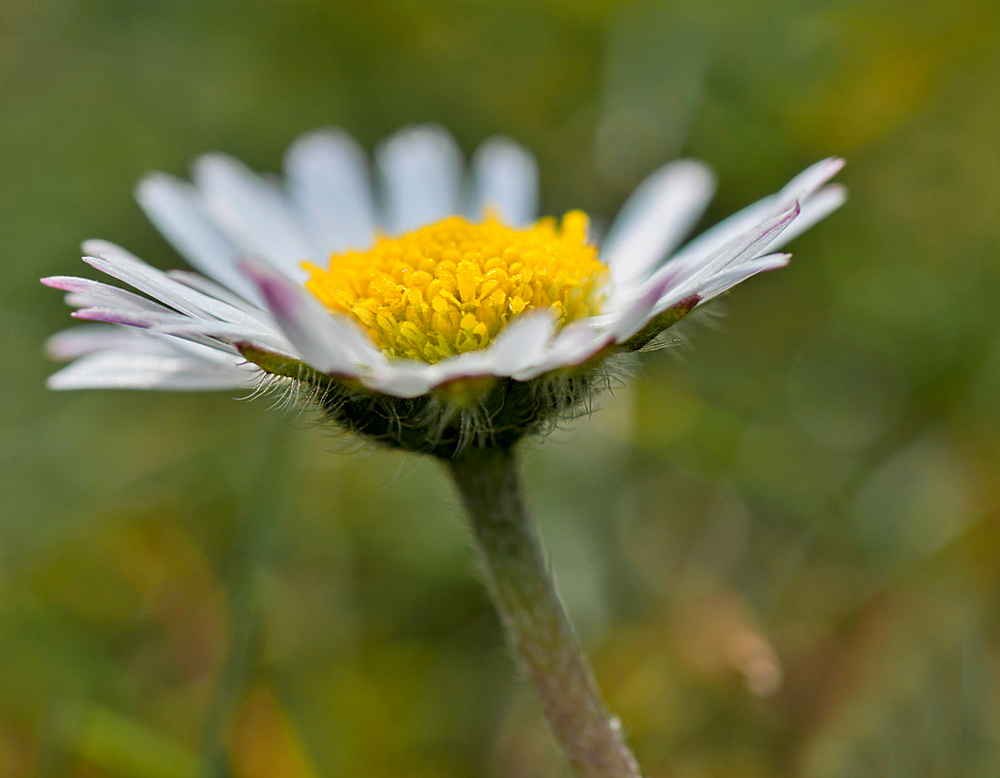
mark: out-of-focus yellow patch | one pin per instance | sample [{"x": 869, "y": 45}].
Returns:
[
  {"x": 265, "y": 743},
  {"x": 451, "y": 287},
  {"x": 863, "y": 106}
]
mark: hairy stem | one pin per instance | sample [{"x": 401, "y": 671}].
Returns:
[{"x": 533, "y": 616}]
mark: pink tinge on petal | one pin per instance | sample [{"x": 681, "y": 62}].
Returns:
[
  {"x": 686, "y": 274},
  {"x": 120, "y": 264},
  {"x": 280, "y": 299},
  {"x": 329, "y": 343},
  {"x": 802, "y": 188},
  {"x": 67, "y": 283},
  {"x": 817, "y": 207},
  {"x": 737, "y": 275},
  {"x": 84, "y": 289}
]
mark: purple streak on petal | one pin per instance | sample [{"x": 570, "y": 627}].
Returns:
[
  {"x": 330, "y": 343},
  {"x": 104, "y": 293}
]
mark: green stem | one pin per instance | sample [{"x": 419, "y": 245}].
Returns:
[{"x": 533, "y": 616}]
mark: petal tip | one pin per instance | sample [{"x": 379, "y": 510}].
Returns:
[{"x": 152, "y": 184}]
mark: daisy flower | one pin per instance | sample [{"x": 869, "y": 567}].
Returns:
[
  {"x": 425, "y": 306},
  {"x": 429, "y": 293}
]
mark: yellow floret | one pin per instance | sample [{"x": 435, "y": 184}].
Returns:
[{"x": 452, "y": 286}]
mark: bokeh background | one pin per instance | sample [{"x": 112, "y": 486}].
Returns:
[{"x": 780, "y": 541}]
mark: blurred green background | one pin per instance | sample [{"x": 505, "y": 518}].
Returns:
[{"x": 781, "y": 549}]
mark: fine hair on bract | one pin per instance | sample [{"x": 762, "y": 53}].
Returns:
[
  {"x": 437, "y": 424},
  {"x": 444, "y": 425}
]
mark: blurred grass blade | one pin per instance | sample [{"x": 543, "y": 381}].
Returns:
[{"x": 125, "y": 748}]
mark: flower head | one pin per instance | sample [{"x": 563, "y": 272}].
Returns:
[
  {"x": 438, "y": 315},
  {"x": 452, "y": 287}
]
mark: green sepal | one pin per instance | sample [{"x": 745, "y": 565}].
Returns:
[
  {"x": 286, "y": 367},
  {"x": 479, "y": 412},
  {"x": 465, "y": 392},
  {"x": 659, "y": 323}
]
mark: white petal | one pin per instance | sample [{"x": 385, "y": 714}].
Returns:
[
  {"x": 574, "y": 345},
  {"x": 254, "y": 214},
  {"x": 730, "y": 278},
  {"x": 209, "y": 332},
  {"x": 402, "y": 379},
  {"x": 505, "y": 177},
  {"x": 799, "y": 188},
  {"x": 817, "y": 207},
  {"x": 91, "y": 338},
  {"x": 76, "y": 300},
  {"x": 88, "y": 338},
  {"x": 132, "y": 317},
  {"x": 128, "y": 370},
  {"x": 97, "y": 293},
  {"x": 211, "y": 352},
  {"x": 221, "y": 335},
  {"x": 175, "y": 209},
  {"x": 638, "y": 312},
  {"x": 688, "y": 270},
  {"x": 330, "y": 344},
  {"x": 328, "y": 183},
  {"x": 520, "y": 344},
  {"x": 745, "y": 247},
  {"x": 811, "y": 179},
  {"x": 421, "y": 170},
  {"x": 208, "y": 287},
  {"x": 655, "y": 219},
  {"x": 120, "y": 264},
  {"x": 523, "y": 342}
]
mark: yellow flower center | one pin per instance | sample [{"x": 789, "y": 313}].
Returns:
[{"x": 452, "y": 286}]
